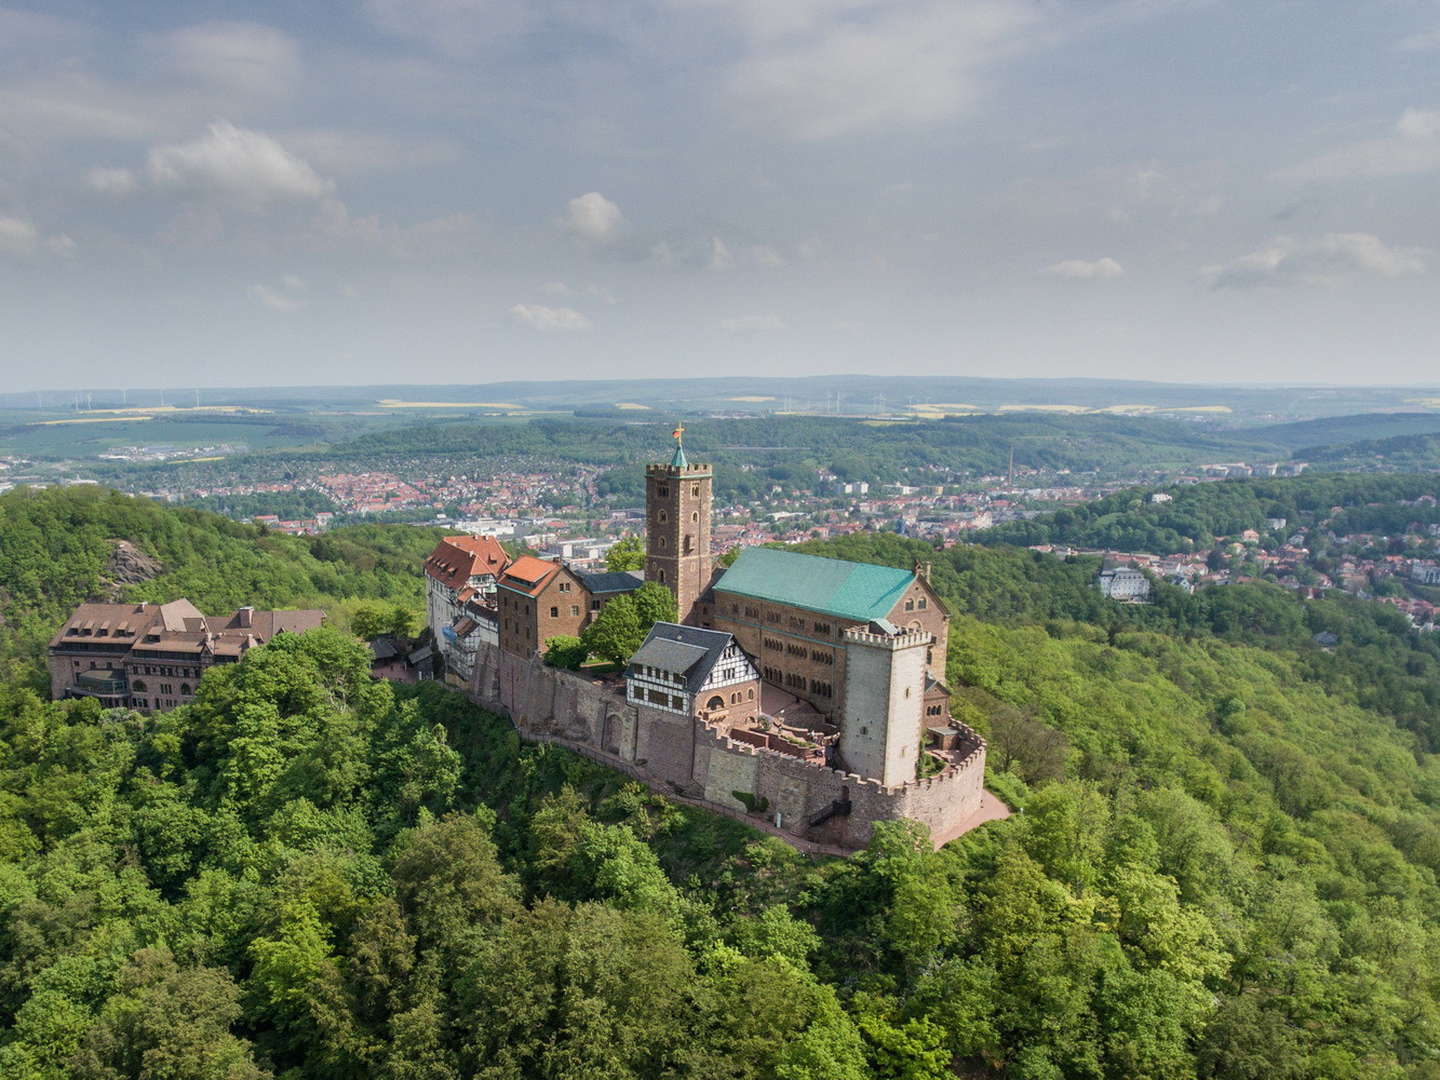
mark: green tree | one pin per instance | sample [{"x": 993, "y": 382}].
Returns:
[
  {"x": 615, "y": 633},
  {"x": 626, "y": 554}
]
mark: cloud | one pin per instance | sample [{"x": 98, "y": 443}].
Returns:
[
  {"x": 1083, "y": 270},
  {"x": 594, "y": 292},
  {"x": 594, "y": 218},
  {"x": 1422, "y": 42},
  {"x": 237, "y": 165},
  {"x": 353, "y": 152},
  {"x": 112, "y": 181},
  {"x": 1317, "y": 261},
  {"x": 752, "y": 324},
  {"x": 454, "y": 27},
  {"x": 1412, "y": 148},
  {"x": 17, "y": 236},
  {"x": 546, "y": 319},
  {"x": 724, "y": 257},
  {"x": 289, "y": 295},
  {"x": 452, "y": 234},
  {"x": 818, "y": 69},
  {"x": 239, "y": 56},
  {"x": 21, "y": 237}
]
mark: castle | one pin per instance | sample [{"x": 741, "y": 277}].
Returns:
[{"x": 803, "y": 692}]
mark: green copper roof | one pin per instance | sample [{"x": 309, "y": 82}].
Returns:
[
  {"x": 678, "y": 461},
  {"x": 848, "y": 590}
]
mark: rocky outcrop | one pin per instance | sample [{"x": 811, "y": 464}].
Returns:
[{"x": 128, "y": 565}]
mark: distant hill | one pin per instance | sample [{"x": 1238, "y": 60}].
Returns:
[{"x": 1334, "y": 430}]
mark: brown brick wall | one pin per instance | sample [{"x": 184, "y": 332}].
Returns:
[{"x": 677, "y": 544}]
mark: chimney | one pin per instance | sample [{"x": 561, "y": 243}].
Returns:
[
  {"x": 245, "y": 616},
  {"x": 922, "y": 570}
]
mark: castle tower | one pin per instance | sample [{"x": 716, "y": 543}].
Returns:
[
  {"x": 884, "y": 711},
  {"x": 677, "y": 529}
]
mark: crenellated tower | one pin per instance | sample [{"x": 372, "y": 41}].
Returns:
[{"x": 677, "y": 527}]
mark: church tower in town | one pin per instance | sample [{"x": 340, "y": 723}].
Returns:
[{"x": 677, "y": 527}]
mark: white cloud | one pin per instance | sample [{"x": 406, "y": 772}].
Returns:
[
  {"x": 1317, "y": 261},
  {"x": 818, "y": 69},
  {"x": 238, "y": 165},
  {"x": 289, "y": 295},
  {"x": 1084, "y": 270},
  {"x": 1412, "y": 148},
  {"x": 539, "y": 317},
  {"x": 17, "y": 236},
  {"x": 112, "y": 181},
  {"x": 452, "y": 234},
  {"x": 752, "y": 324},
  {"x": 352, "y": 152},
  {"x": 724, "y": 257},
  {"x": 593, "y": 217},
  {"x": 240, "y": 56},
  {"x": 1421, "y": 42}
]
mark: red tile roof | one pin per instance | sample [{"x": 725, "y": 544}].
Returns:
[
  {"x": 528, "y": 574},
  {"x": 456, "y": 559}
]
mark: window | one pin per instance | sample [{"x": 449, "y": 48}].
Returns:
[
  {"x": 689, "y": 543},
  {"x": 184, "y": 688},
  {"x": 750, "y": 694},
  {"x": 932, "y": 710},
  {"x": 662, "y": 576},
  {"x": 663, "y": 517},
  {"x": 574, "y": 609},
  {"x": 663, "y": 491},
  {"x": 554, "y": 612},
  {"x": 822, "y": 628},
  {"x": 921, "y": 603},
  {"x": 564, "y": 586},
  {"x": 716, "y": 702},
  {"x": 138, "y": 684},
  {"x": 660, "y": 542},
  {"x": 594, "y": 605},
  {"x": 695, "y": 490},
  {"x": 910, "y": 604}
]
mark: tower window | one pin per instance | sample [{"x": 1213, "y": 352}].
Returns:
[
  {"x": 660, "y": 541},
  {"x": 695, "y": 490},
  {"x": 694, "y": 515},
  {"x": 663, "y": 491},
  {"x": 662, "y": 517},
  {"x": 689, "y": 543},
  {"x": 662, "y": 577}
]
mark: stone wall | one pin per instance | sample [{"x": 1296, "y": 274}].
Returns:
[{"x": 685, "y": 756}]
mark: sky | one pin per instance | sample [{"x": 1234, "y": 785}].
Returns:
[{"x": 468, "y": 191}]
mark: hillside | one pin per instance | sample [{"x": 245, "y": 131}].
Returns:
[
  {"x": 55, "y": 545},
  {"x": 1226, "y": 867},
  {"x": 1196, "y": 514},
  {"x": 1335, "y": 430}
]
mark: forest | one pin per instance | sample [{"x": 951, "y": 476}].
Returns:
[
  {"x": 1197, "y": 514},
  {"x": 1225, "y": 867}
]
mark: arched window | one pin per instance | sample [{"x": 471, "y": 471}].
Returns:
[
  {"x": 689, "y": 543},
  {"x": 750, "y": 694},
  {"x": 662, "y": 577},
  {"x": 694, "y": 515},
  {"x": 184, "y": 688},
  {"x": 138, "y": 684},
  {"x": 734, "y": 699},
  {"x": 716, "y": 702},
  {"x": 663, "y": 517}
]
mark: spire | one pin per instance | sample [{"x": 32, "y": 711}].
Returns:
[{"x": 679, "y": 461}]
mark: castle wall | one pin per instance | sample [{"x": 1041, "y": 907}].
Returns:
[{"x": 685, "y": 756}]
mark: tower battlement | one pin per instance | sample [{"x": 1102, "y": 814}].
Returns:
[
  {"x": 907, "y": 640},
  {"x": 682, "y": 471}
]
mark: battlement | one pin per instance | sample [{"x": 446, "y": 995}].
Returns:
[
  {"x": 907, "y": 640},
  {"x": 683, "y": 471}
]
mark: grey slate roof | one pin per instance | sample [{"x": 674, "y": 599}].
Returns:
[
  {"x": 682, "y": 650},
  {"x": 601, "y": 583}
]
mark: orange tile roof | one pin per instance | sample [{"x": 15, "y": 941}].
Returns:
[{"x": 528, "y": 574}]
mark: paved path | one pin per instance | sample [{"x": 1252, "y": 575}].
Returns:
[{"x": 991, "y": 809}]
